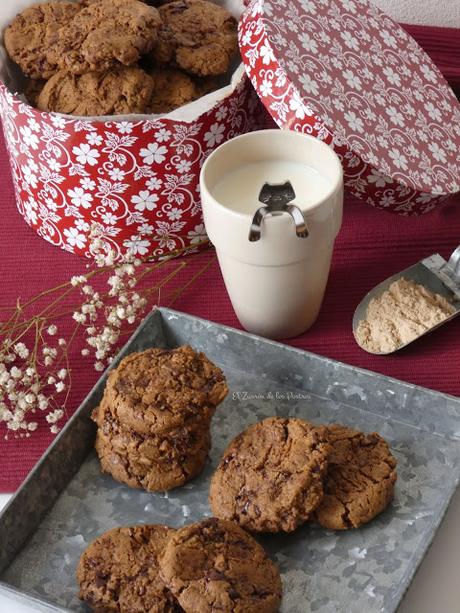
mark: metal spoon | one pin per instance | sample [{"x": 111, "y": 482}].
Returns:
[{"x": 434, "y": 273}]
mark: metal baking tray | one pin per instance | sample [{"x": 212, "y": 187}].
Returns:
[{"x": 66, "y": 502}]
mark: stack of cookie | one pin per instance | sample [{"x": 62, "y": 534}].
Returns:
[
  {"x": 212, "y": 565},
  {"x": 282, "y": 472},
  {"x": 155, "y": 415},
  {"x": 109, "y": 57}
]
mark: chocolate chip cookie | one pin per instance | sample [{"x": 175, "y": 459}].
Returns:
[
  {"x": 173, "y": 88},
  {"x": 33, "y": 90},
  {"x": 198, "y": 36},
  {"x": 360, "y": 479},
  {"x": 32, "y": 34},
  {"x": 119, "y": 571},
  {"x": 120, "y": 90},
  {"x": 159, "y": 390},
  {"x": 154, "y": 462},
  {"x": 214, "y": 565},
  {"x": 270, "y": 478},
  {"x": 104, "y": 34}
]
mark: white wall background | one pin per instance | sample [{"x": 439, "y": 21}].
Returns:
[{"x": 428, "y": 12}]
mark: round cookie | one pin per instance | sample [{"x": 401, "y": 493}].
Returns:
[
  {"x": 270, "y": 478},
  {"x": 119, "y": 571},
  {"x": 121, "y": 90},
  {"x": 106, "y": 33},
  {"x": 151, "y": 462},
  {"x": 360, "y": 479},
  {"x": 198, "y": 36},
  {"x": 159, "y": 390},
  {"x": 214, "y": 565},
  {"x": 31, "y": 34},
  {"x": 173, "y": 88}
]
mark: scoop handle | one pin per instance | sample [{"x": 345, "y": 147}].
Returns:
[{"x": 454, "y": 264}]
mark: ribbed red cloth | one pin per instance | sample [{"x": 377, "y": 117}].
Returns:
[{"x": 372, "y": 245}]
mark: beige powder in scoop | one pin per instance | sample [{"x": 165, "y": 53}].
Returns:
[{"x": 402, "y": 313}]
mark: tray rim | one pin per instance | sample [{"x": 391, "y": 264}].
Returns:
[{"x": 161, "y": 313}]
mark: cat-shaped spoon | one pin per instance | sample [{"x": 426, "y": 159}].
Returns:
[{"x": 277, "y": 198}]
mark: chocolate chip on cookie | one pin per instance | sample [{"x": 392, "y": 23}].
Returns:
[
  {"x": 214, "y": 565},
  {"x": 360, "y": 479},
  {"x": 31, "y": 35},
  {"x": 120, "y": 90},
  {"x": 106, "y": 33},
  {"x": 173, "y": 88},
  {"x": 270, "y": 478},
  {"x": 159, "y": 390},
  {"x": 154, "y": 462},
  {"x": 198, "y": 36},
  {"x": 119, "y": 571}
]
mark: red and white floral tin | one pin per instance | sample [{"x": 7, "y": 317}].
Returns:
[
  {"x": 137, "y": 179},
  {"x": 345, "y": 72}
]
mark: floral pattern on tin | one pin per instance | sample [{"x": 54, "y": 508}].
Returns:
[
  {"x": 344, "y": 72},
  {"x": 137, "y": 181}
]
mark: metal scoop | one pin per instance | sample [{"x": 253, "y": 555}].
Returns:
[{"x": 434, "y": 273}]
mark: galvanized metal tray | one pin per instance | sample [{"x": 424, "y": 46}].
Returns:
[{"x": 66, "y": 501}]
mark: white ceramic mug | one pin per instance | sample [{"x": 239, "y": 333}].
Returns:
[{"x": 276, "y": 285}]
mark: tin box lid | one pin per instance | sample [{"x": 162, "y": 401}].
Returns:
[{"x": 345, "y": 72}]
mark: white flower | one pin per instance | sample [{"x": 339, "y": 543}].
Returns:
[
  {"x": 86, "y": 155},
  {"x": 355, "y": 122},
  {"x": 29, "y": 209},
  {"x": 60, "y": 386},
  {"x": 30, "y": 139},
  {"x": 109, "y": 218},
  {"x": 163, "y": 135},
  {"x": 433, "y": 111},
  {"x": 296, "y": 105},
  {"x": 438, "y": 153},
  {"x": 124, "y": 127},
  {"x": 154, "y": 183},
  {"x": 87, "y": 183},
  {"x": 378, "y": 179},
  {"x": 388, "y": 39},
  {"x": 116, "y": 174},
  {"x": 221, "y": 113},
  {"x": 145, "y": 200},
  {"x": 266, "y": 54},
  {"x": 198, "y": 234},
  {"x": 137, "y": 244},
  {"x": 399, "y": 160},
  {"x": 174, "y": 214},
  {"x": 94, "y": 139},
  {"x": 74, "y": 238},
  {"x": 309, "y": 85},
  {"x": 77, "y": 280},
  {"x": 145, "y": 228},
  {"x": 153, "y": 154},
  {"x": 21, "y": 350},
  {"x": 183, "y": 166},
  {"x": 58, "y": 121},
  {"x": 79, "y": 198},
  {"x": 392, "y": 76},
  {"x": 309, "y": 6},
  {"x": 52, "y": 330},
  {"x": 215, "y": 135},
  {"x": 99, "y": 366},
  {"x": 266, "y": 87},
  {"x": 428, "y": 73},
  {"x": 395, "y": 116},
  {"x": 350, "y": 41},
  {"x": 29, "y": 176},
  {"x": 352, "y": 80},
  {"x": 308, "y": 43},
  {"x": 82, "y": 225},
  {"x": 54, "y": 165}
]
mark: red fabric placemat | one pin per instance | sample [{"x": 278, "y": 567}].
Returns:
[{"x": 371, "y": 246}]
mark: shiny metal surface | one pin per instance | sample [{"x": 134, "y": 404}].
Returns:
[{"x": 434, "y": 273}]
